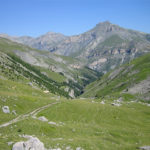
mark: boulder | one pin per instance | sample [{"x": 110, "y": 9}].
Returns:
[
  {"x": 6, "y": 109},
  {"x": 145, "y": 148},
  {"x": 33, "y": 143}
]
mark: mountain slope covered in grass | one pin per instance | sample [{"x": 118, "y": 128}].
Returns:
[
  {"x": 27, "y": 109},
  {"x": 59, "y": 74},
  {"x": 13, "y": 68},
  {"x": 35, "y": 91},
  {"x": 131, "y": 81}
]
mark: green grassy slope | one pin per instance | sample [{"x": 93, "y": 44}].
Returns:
[
  {"x": 15, "y": 69},
  {"x": 119, "y": 81},
  {"x": 58, "y": 70},
  {"x": 20, "y": 97},
  {"x": 85, "y": 124}
]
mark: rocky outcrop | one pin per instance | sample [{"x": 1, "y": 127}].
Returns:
[
  {"x": 71, "y": 93},
  {"x": 33, "y": 143},
  {"x": 76, "y": 66},
  {"x": 100, "y": 61},
  {"x": 141, "y": 88}
]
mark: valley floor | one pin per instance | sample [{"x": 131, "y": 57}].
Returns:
[{"x": 85, "y": 124}]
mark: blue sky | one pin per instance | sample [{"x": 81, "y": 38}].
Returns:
[{"x": 36, "y": 17}]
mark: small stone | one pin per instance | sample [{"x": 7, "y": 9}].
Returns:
[
  {"x": 55, "y": 149},
  {"x": 42, "y": 118},
  {"x": 79, "y": 148},
  {"x": 46, "y": 91},
  {"x": 61, "y": 123},
  {"x": 73, "y": 130},
  {"x": 14, "y": 112},
  {"x": 4, "y": 100},
  {"x": 52, "y": 123},
  {"x": 68, "y": 148},
  {"x": 116, "y": 104},
  {"x": 30, "y": 83},
  {"x": 119, "y": 100},
  {"x": 102, "y": 102},
  {"x": 10, "y": 143}
]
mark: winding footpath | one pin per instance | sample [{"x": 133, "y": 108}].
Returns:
[{"x": 32, "y": 114}]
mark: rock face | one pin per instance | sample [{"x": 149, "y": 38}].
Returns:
[
  {"x": 132, "y": 78},
  {"x": 6, "y": 109},
  {"x": 33, "y": 143},
  {"x": 103, "y": 46},
  {"x": 141, "y": 88}
]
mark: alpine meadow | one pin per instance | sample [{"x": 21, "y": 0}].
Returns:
[{"x": 83, "y": 91}]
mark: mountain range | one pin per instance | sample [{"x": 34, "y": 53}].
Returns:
[
  {"x": 101, "y": 48},
  {"x": 84, "y": 92},
  {"x": 62, "y": 73}
]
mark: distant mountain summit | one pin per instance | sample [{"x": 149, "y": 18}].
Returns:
[{"x": 102, "y": 48}]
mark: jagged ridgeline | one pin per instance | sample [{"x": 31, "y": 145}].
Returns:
[
  {"x": 102, "y": 48},
  {"x": 57, "y": 74}
]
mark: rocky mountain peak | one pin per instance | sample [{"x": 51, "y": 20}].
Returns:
[
  {"x": 51, "y": 33},
  {"x": 105, "y": 27},
  {"x": 104, "y": 23},
  {"x": 101, "y": 46}
]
